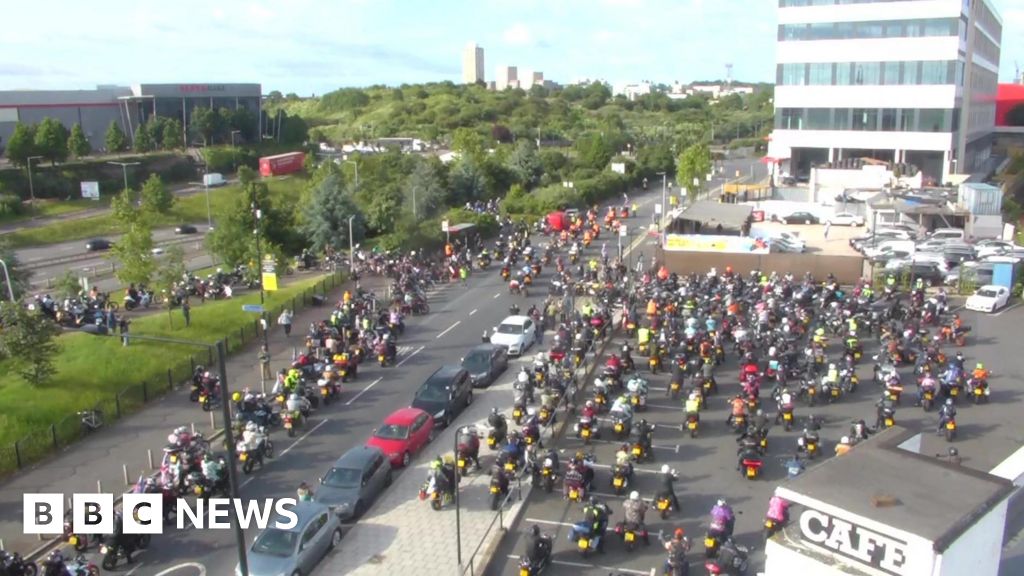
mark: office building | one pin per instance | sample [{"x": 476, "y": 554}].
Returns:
[
  {"x": 128, "y": 106},
  {"x": 472, "y": 64},
  {"x": 507, "y": 78},
  {"x": 909, "y": 81}
]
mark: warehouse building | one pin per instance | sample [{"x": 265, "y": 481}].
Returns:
[{"x": 128, "y": 106}]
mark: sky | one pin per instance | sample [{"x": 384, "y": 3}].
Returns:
[{"x": 313, "y": 46}]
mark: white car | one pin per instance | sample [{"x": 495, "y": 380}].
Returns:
[
  {"x": 845, "y": 219},
  {"x": 988, "y": 299},
  {"x": 516, "y": 333}
]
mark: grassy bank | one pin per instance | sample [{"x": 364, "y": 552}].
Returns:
[
  {"x": 93, "y": 370},
  {"x": 186, "y": 209}
]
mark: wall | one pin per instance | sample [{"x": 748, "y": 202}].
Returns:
[
  {"x": 984, "y": 226},
  {"x": 847, "y": 269},
  {"x": 784, "y": 140},
  {"x": 783, "y": 561},
  {"x": 976, "y": 552},
  {"x": 897, "y": 96}
]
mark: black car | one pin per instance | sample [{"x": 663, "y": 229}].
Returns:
[
  {"x": 446, "y": 393},
  {"x": 801, "y": 218},
  {"x": 485, "y": 363},
  {"x": 97, "y": 245},
  {"x": 927, "y": 271},
  {"x": 185, "y": 229}
]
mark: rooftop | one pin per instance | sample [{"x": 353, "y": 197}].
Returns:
[
  {"x": 711, "y": 214},
  {"x": 878, "y": 470}
]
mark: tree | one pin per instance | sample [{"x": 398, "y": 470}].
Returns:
[
  {"x": 29, "y": 340},
  {"x": 78, "y": 144},
  {"x": 173, "y": 138},
  {"x": 594, "y": 151},
  {"x": 425, "y": 187},
  {"x": 22, "y": 144},
  {"x": 233, "y": 240},
  {"x": 52, "y": 140},
  {"x": 245, "y": 122},
  {"x": 1015, "y": 116},
  {"x": 385, "y": 208},
  {"x": 19, "y": 276},
  {"x": 143, "y": 139},
  {"x": 114, "y": 139},
  {"x": 655, "y": 158},
  {"x": 155, "y": 196},
  {"x": 469, "y": 143},
  {"x": 326, "y": 214},
  {"x": 67, "y": 286},
  {"x": 468, "y": 182},
  {"x": 525, "y": 163},
  {"x": 156, "y": 131},
  {"x": 169, "y": 271},
  {"x": 206, "y": 122},
  {"x": 694, "y": 165},
  {"x": 134, "y": 250}
]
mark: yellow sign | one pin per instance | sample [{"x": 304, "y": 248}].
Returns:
[
  {"x": 269, "y": 281},
  {"x": 710, "y": 243},
  {"x": 672, "y": 200}
]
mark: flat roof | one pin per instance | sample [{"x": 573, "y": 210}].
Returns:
[
  {"x": 916, "y": 483},
  {"x": 714, "y": 213}
]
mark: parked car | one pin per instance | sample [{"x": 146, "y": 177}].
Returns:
[
  {"x": 801, "y": 218},
  {"x": 97, "y": 245},
  {"x": 950, "y": 233},
  {"x": 185, "y": 229},
  {"x": 516, "y": 333},
  {"x": 980, "y": 273},
  {"x": 404, "y": 433},
  {"x": 296, "y": 550},
  {"x": 885, "y": 258},
  {"x": 485, "y": 362},
  {"x": 860, "y": 243},
  {"x": 447, "y": 392},
  {"x": 354, "y": 482},
  {"x": 889, "y": 246},
  {"x": 956, "y": 254},
  {"x": 930, "y": 272},
  {"x": 936, "y": 245},
  {"x": 988, "y": 298},
  {"x": 845, "y": 219}
]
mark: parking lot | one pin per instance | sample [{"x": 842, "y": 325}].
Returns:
[
  {"x": 707, "y": 464},
  {"x": 837, "y": 243}
]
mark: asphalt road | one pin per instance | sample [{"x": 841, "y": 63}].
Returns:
[
  {"x": 458, "y": 318},
  {"x": 707, "y": 464}
]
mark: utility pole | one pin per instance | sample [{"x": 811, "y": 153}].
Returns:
[
  {"x": 356, "y": 164},
  {"x": 351, "y": 246},
  {"x": 664, "y": 194},
  {"x": 31, "y": 188},
  {"x": 124, "y": 169},
  {"x": 256, "y": 217}
]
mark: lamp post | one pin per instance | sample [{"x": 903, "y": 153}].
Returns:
[
  {"x": 206, "y": 186},
  {"x": 229, "y": 435},
  {"x": 664, "y": 194},
  {"x": 356, "y": 164},
  {"x": 31, "y": 188},
  {"x": 351, "y": 245},
  {"x": 696, "y": 187},
  {"x": 257, "y": 214},
  {"x": 124, "y": 170},
  {"x": 7, "y": 278},
  {"x": 458, "y": 511},
  {"x": 234, "y": 151}
]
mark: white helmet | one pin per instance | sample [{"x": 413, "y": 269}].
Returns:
[
  {"x": 634, "y": 495},
  {"x": 251, "y": 427},
  {"x": 832, "y": 366},
  {"x": 772, "y": 351},
  {"x": 844, "y": 440},
  {"x": 665, "y": 469},
  {"x": 523, "y": 378}
]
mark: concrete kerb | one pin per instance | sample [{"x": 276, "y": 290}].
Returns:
[{"x": 487, "y": 555}]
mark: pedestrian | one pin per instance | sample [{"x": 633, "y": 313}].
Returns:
[
  {"x": 123, "y": 326},
  {"x": 285, "y": 321},
  {"x": 186, "y": 311},
  {"x": 264, "y": 358},
  {"x": 827, "y": 226}
]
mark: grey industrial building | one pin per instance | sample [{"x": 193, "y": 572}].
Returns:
[{"x": 128, "y": 106}]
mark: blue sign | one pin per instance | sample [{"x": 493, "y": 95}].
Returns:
[{"x": 258, "y": 308}]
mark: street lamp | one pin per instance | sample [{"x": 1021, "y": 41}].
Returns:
[
  {"x": 229, "y": 435},
  {"x": 351, "y": 246},
  {"x": 124, "y": 169},
  {"x": 234, "y": 151},
  {"x": 664, "y": 193},
  {"x": 31, "y": 188},
  {"x": 356, "y": 164},
  {"x": 696, "y": 187},
  {"x": 257, "y": 214},
  {"x": 7, "y": 278}
]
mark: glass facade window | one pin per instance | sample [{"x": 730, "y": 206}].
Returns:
[
  {"x": 792, "y": 74},
  {"x": 908, "y": 73},
  {"x": 932, "y": 120},
  {"x": 912, "y": 72},
  {"x": 906, "y": 120},
  {"x": 937, "y": 72},
  {"x": 819, "y": 118},
  {"x": 871, "y": 29},
  {"x": 888, "y": 120},
  {"x": 890, "y": 73},
  {"x": 844, "y": 73},
  {"x": 865, "y": 119},
  {"x": 869, "y": 119},
  {"x": 841, "y": 119},
  {"x": 867, "y": 73},
  {"x": 820, "y": 74}
]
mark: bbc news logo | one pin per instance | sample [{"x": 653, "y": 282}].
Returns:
[{"x": 144, "y": 513}]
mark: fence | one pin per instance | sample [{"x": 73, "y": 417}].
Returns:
[{"x": 39, "y": 444}]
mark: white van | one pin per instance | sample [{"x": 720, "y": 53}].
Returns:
[{"x": 947, "y": 234}]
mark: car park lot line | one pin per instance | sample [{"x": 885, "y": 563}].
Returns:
[
  {"x": 1007, "y": 309},
  {"x": 609, "y": 569},
  {"x": 448, "y": 329},
  {"x": 498, "y": 295},
  {"x": 473, "y": 312},
  {"x": 418, "y": 350},
  {"x": 363, "y": 391}
]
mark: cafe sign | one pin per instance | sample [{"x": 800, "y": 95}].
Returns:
[{"x": 882, "y": 553}]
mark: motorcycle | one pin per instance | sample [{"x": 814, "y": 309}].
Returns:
[
  {"x": 752, "y": 468},
  {"x": 664, "y": 505},
  {"x": 114, "y": 552},
  {"x": 630, "y": 534},
  {"x": 547, "y": 475},
  {"x": 249, "y": 458},
  {"x": 528, "y": 568},
  {"x": 584, "y": 430},
  {"x": 808, "y": 445},
  {"x": 787, "y": 417},
  {"x": 692, "y": 423},
  {"x": 583, "y": 535},
  {"x": 928, "y": 400},
  {"x": 621, "y": 426},
  {"x": 950, "y": 430},
  {"x": 80, "y": 542},
  {"x": 620, "y": 479},
  {"x": 736, "y": 567},
  {"x": 888, "y": 417},
  {"x": 497, "y": 491},
  {"x": 432, "y": 491},
  {"x": 15, "y": 565}
]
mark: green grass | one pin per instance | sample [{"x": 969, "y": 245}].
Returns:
[
  {"x": 93, "y": 369},
  {"x": 50, "y": 208},
  {"x": 187, "y": 209}
]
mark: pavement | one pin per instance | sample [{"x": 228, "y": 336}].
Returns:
[
  {"x": 459, "y": 315},
  {"x": 706, "y": 465}
]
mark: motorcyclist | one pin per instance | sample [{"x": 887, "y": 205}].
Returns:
[
  {"x": 298, "y": 404},
  {"x": 844, "y": 446},
  {"x": 525, "y": 383},
  {"x": 677, "y": 548},
  {"x": 444, "y": 480},
  {"x": 928, "y": 383},
  {"x": 573, "y": 479},
  {"x": 304, "y": 493},
  {"x": 750, "y": 446},
  {"x": 980, "y": 374},
  {"x": 597, "y": 513},
  {"x": 634, "y": 510},
  {"x": 213, "y": 470},
  {"x": 623, "y": 459},
  {"x": 884, "y": 404},
  {"x": 947, "y": 413},
  {"x": 645, "y": 431},
  {"x": 722, "y": 516},
  {"x": 124, "y": 542},
  {"x": 469, "y": 444},
  {"x": 538, "y": 547},
  {"x": 499, "y": 426},
  {"x": 738, "y": 409},
  {"x": 666, "y": 486},
  {"x": 778, "y": 509},
  {"x": 692, "y": 406},
  {"x": 785, "y": 403},
  {"x": 53, "y": 565}
]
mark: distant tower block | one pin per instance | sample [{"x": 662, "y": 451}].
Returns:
[{"x": 728, "y": 74}]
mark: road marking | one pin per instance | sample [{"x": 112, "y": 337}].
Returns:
[
  {"x": 549, "y": 522},
  {"x": 418, "y": 350},
  {"x": 496, "y": 296},
  {"x": 635, "y": 468},
  {"x": 132, "y": 571},
  {"x": 663, "y": 406},
  {"x": 609, "y": 569},
  {"x": 473, "y": 312},
  {"x": 674, "y": 448},
  {"x": 200, "y": 569},
  {"x": 448, "y": 329},
  {"x": 1005, "y": 310},
  {"x": 363, "y": 391}
]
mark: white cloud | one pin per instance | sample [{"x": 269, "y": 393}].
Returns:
[
  {"x": 518, "y": 35},
  {"x": 260, "y": 12},
  {"x": 624, "y": 3}
]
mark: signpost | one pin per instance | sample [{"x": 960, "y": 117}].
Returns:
[
  {"x": 623, "y": 233},
  {"x": 444, "y": 228},
  {"x": 269, "y": 276},
  {"x": 91, "y": 190},
  {"x": 257, "y": 308}
]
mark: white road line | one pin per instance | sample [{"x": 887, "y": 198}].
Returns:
[
  {"x": 363, "y": 391},
  {"x": 200, "y": 569},
  {"x": 496, "y": 296},
  {"x": 132, "y": 571},
  {"x": 1005, "y": 310},
  {"x": 609, "y": 569},
  {"x": 472, "y": 312},
  {"x": 448, "y": 329},
  {"x": 418, "y": 350},
  {"x": 549, "y": 522},
  {"x": 664, "y": 406},
  {"x": 303, "y": 437},
  {"x": 674, "y": 448},
  {"x": 635, "y": 468}
]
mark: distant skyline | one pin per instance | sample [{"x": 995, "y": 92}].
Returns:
[{"x": 311, "y": 47}]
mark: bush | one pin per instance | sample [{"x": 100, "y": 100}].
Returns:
[{"x": 10, "y": 205}]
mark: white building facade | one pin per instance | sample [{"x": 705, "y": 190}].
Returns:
[
  {"x": 472, "y": 64},
  {"x": 906, "y": 81},
  {"x": 506, "y": 77}
]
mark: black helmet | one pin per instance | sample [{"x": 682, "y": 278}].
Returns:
[{"x": 535, "y": 530}]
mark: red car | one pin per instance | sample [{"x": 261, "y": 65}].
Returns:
[{"x": 404, "y": 433}]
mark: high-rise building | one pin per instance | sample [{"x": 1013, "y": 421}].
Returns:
[
  {"x": 904, "y": 81},
  {"x": 472, "y": 64},
  {"x": 530, "y": 78},
  {"x": 508, "y": 77}
]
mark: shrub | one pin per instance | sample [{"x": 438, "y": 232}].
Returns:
[{"x": 10, "y": 205}]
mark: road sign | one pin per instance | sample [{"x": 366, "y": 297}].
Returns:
[
  {"x": 269, "y": 280},
  {"x": 622, "y": 231},
  {"x": 657, "y": 208},
  {"x": 269, "y": 266},
  {"x": 444, "y": 225},
  {"x": 257, "y": 308}
]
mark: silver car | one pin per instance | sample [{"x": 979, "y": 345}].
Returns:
[
  {"x": 354, "y": 482},
  {"x": 296, "y": 551}
]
